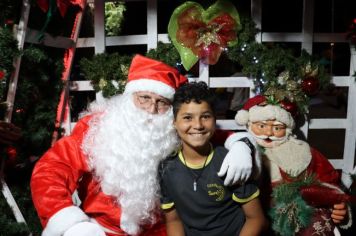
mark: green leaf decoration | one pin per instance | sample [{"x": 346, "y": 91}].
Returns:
[
  {"x": 166, "y": 53},
  {"x": 289, "y": 217},
  {"x": 114, "y": 17},
  {"x": 201, "y": 21},
  {"x": 187, "y": 56},
  {"x": 290, "y": 212}
]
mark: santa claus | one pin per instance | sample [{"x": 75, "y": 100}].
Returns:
[
  {"x": 111, "y": 159},
  {"x": 285, "y": 158}
]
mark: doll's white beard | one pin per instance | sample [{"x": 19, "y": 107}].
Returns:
[{"x": 125, "y": 146}]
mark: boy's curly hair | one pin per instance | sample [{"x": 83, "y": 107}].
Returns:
[{"x": 194, "y": 91}]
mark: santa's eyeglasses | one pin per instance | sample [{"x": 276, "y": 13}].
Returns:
[{"x": 146, "y": 101}]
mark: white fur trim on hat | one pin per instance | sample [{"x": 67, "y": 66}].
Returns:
[
  {"x": 242, "y": 117},
  {"x": 261, "y": 113},
  {"x": 150, "y": 85}
]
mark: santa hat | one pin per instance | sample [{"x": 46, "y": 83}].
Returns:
[
  {"x": 257, "y": 109},
  {"x": 146, "y": 74}
]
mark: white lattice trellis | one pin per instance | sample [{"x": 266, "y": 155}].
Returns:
[{"x": 306, "y": 37}]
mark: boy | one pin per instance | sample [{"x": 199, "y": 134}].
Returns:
[{"x": 194, "y": 198}]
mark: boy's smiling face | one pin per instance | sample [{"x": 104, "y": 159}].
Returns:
[{"x": 195, "y": 124}]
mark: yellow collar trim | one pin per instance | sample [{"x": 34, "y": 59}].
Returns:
[{"x": 194, "y": 166}]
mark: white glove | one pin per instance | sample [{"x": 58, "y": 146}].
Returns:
[
  {"x": 237, "y": 164},
  {"x": 84, "y": 229},
  {"x": 346, "y": 178}
]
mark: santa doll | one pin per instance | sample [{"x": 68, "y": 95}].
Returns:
[{"x": 304, "y": 186}]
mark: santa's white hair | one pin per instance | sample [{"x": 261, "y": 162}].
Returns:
[
  {"x": 125, "y": 145},
  {"x": 268, "y": 112}
]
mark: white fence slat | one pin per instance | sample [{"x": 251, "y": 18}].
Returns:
[
  {"x": 99, "y": 26},
  {"x": 152, "y": 24}
]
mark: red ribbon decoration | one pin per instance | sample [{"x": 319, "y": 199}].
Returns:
[
  {"x": 62, "y": 5},
  {"x": 206, "y": 40}
]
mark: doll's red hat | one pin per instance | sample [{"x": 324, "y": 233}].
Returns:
[
  {"x": 258, "y": 109},
  {"x": 256, "y": 100},
  {"x": 146, "y": 74}
]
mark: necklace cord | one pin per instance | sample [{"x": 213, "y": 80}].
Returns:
[{"x": 195, "y": 176}]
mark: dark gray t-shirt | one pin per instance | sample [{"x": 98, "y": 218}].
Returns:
[{"x": 212, "y": 209}]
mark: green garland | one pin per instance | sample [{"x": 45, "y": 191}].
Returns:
[
  {"x": 37, "y": 96},
  {"x": 21, "y": 192},
  {"x": 114, "y": 17},
  {"x": 10, "y": 226},
  {"x": 276, "y": 72},
  {"x": 166, "y": 53},
  {"x": 107, "y": 72},
  {"x": 8, "y": 51}
]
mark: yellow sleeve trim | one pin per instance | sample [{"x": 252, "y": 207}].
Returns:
[
  {"x": 167, "y": 205},
  {"x": 244, "y": 200}
]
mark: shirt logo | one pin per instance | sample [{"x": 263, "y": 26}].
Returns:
[{"x": 216, "y": 191}]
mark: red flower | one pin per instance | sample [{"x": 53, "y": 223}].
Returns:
[
  {"x": 2, "y": 74},
  {"x": 206, "y": 40},
  {"x": 9, "y": 22},
  {"x": 11, "y": 152}
]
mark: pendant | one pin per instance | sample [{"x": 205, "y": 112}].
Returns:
[{"x": 195, "y": 186}]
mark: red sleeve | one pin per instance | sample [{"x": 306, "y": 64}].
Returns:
[
  {"x": 323, "y": 168},
  {"x": 220, "y": 136},
  {"x": 56, "y": 174}
]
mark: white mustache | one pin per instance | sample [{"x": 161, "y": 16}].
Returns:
[{"x": 273, "y": 138}]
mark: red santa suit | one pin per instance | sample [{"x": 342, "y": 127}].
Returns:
[{"x": 61, "y": 171}]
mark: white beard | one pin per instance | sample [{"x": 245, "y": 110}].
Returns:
[
  {"x": 293, "y": 157},
  {"x": 125, "y": 146}
]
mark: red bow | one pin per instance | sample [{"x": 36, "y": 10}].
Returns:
[{"x": 206, "y": 40}]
